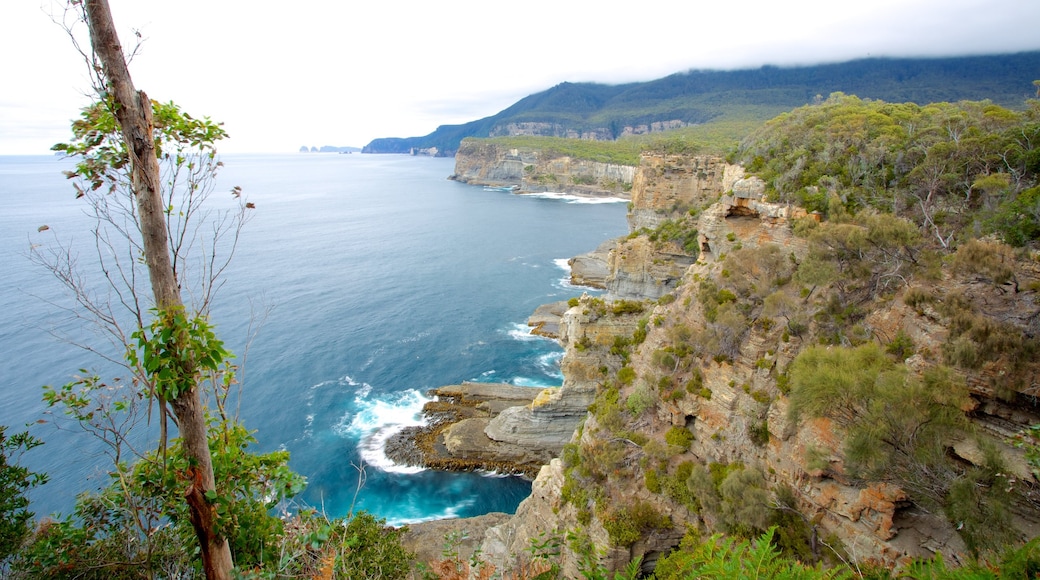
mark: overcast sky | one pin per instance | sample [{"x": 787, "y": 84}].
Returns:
[{"x": 338, "y": 72}]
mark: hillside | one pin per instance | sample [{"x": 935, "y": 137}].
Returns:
[
  {"x": 832, "y": 346},
  {"x": 608, "y": 112}
]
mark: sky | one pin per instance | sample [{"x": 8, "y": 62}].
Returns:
[{"x": 335, "y": 72}]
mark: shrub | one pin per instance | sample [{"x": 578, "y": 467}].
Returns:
[
  {"x": 606, "y": 408},
  {"x": 758, "y": 432},
  {"x": 896, "y": 423},
  {"x": 621, "y": 348},
  {"x": 652, "y": 480},
  {"x": 680, "y": 437},
  {"x": 626, "y": 375},
  {"x": 622, "y": 307},
  {"x": 979, "y": 502},
  {"x": 663, "y": 359},
  {"x": 627, "y": 524},
  {"x": 721, "y": 557},
  {"x": 988, "y": 261},
  {"x": 901, "y": 347},
  {"x": 914, "y": 297},
  {"x": 695, "y": 384},
  {"x": 641, "y": 399},
  {"x": 1017, "y": 220},
  {"x": 745, "y": 506},
  {"x": 675, "y": 486},
  {"x": 761, "y": 396},
  {"x": 15, "y": 481}
]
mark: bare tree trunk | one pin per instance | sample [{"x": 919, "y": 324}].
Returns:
[{"x": 133, "y": 110}]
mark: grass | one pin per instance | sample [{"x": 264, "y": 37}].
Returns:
[{"x": 719, "y": 136}]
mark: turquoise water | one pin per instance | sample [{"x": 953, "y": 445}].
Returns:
[{"x": 380, "y": 279}]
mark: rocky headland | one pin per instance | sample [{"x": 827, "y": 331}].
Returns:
[
  {"x": 536, "y": 171},
  {"x": 720, "y": 378}
]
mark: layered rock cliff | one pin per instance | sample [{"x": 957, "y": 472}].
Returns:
[
  {"x": 692, "y": 425},
  {"x": 732, "y": 399},
  {"x": 666, "y": 185},
  {"x": 666, "y": 190},
  {"x": 534, "y": 171}
]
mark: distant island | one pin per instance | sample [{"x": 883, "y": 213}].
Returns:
[{"x": 329, "y": 149}]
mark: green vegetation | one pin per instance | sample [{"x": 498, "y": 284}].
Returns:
[
  {"x": 681, "y": 231},
  {"x": 720, "y": 107},
  {"x": 617, "y": 152},
  {"x": 909, "y": 198},
  {"x": 901, "y": 192},
  {"x": 15, "y": 481},
  {"x": 640, "y": 400},
  {"x": 680, "y": 437},
  {"x": 955, "y": 169},
  {"x": 203, "y": 501},
  {"x": 721, "y": 557},
  {"x": 627, "y": 523},
  {"x": 897, "y": 428}
]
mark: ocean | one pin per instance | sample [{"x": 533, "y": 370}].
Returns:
[{"x": 371, "y": 279}]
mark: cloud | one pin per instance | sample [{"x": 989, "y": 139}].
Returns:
[{"x": 332, "y": 72}]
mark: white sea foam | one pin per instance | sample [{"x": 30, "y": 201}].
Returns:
[
  {"x": 447, "y": 513},
  {"x": 372, "y": 450},
  {"x": 549, "y": 363},
  {"x": 375, "y": 420},
  {"x": 571, "y": 198},
  {"x": 493, "y": 474},
  {"x": 522, "y": 381},
  {"x": 521, "y": 331},
  {"x": 565, "y": 282}
]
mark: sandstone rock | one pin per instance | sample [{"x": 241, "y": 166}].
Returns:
[
  {"x": 531, "y": 170},
  {"x": 427, "y": 540},
  {"x": 592, "y": 269},
  {"x": 739, "y": 398},
  {"x": 670, "y": 184},
  {"x": 546, "y": 319},
  {"x": 639, "y": 270},
  {"x": 545, "y": 427}
]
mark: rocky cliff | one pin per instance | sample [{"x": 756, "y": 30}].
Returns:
[
  {"x": 737, "y": 413},
  {"x": 535, "y": 171},
  {"x": 668, "y": 191},
  {"x": 666, "y": 185},
  {"x": 693, "y": 421}
]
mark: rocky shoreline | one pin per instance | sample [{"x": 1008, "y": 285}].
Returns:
[
  {"x": 494, "y": 426},
  {"x": 454, "y": 438}
]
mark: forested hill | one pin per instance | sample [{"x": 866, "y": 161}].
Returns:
[{"x": 598, "y": 111}]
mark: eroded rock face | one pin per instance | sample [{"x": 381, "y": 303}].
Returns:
[
  {"x": 743, "y": 218},
  {"x": 543, "y": 129},
  {"x": 644, "y": 270},
  {"x": 666, "y": 185},
  {"x": 738, "y": 414},
  {"x": 548, "y": 422},
  {"x": 426, "y": 539},
  {"x": 592, "y": 269},
  {"x": 531, "y": 171}
]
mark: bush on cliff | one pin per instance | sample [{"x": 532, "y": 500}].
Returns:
[
  {"x": 897, "y": 428},
  {"x": 627, "y": 523},
  {"x": 952, "y": 167}
]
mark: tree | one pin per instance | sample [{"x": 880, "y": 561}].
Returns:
[
  {"x": 15, "y": 480},
  {"x": 120, "y": 147}
]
